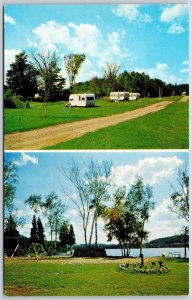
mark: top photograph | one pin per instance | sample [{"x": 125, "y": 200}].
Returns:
[{"x": 106, "y": 76}]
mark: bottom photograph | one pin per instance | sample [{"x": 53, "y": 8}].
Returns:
[{"x": 96, "y": 223}]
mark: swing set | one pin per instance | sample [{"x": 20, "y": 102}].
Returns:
[{"x": 36, "y": 248}]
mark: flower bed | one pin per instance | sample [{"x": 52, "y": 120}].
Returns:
[{"x": 153, "y": 268}]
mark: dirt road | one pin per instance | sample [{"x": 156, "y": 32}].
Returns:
[
  {"x": 184, "y": 99},
  {"x": 48, "y": 136}
]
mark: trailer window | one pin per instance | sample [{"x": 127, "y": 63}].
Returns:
[{"x": 90, "y": 98}]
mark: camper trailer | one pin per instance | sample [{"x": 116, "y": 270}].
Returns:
[
  {"x": 119, "y": 96},
  {"x": 82, "y": 100},
  {"x": 134, "y": 96}
]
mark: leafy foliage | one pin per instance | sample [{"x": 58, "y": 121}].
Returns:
[
  {"x": 73, "y": 64},
  {"x": 10, "y": 181},
  {"x": 21, "y": 77}
]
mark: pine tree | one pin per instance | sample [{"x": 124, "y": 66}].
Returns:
[
  {"x": 40, "y": 231},
  {"x": 22, "y": 77},
  {"x": 10, "y": 234},
  {"x": 34, "y": 231},
  {"x": 71, "y": 237},
  {"x": 64, "y": 234}
]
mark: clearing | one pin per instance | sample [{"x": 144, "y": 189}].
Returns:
[{"x": 45, "y": 137}]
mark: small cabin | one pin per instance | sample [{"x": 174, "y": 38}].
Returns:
[
  {"x": 134, "y": 96},
  {"x": 82, "y": 100},
  {"x": 119, "y": 96}
]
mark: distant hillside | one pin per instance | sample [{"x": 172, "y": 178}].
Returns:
[{"x": 170, "y": 241}]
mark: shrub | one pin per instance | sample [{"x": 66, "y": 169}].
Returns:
[
  {"x": 8, "y": 100},
  {"x": 18, "y": 101},
  {"x": 27, "y": 104}
]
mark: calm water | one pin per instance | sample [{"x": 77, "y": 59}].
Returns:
[{"x": 148, "y": 252}]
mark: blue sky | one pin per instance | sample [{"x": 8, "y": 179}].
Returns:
[
  {"x": 149, "y": 38},
  {"x": 40, "y": 173}
]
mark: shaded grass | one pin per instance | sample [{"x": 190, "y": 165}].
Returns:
[
  {"x": 43, "y": 278},
  {"x": 21, "y": 119},
  {"x": 166, "y": 129}
]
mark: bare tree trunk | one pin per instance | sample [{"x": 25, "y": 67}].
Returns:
[
  {"x": 96, "y": 234},
  {"x": 91, "y": 234}
]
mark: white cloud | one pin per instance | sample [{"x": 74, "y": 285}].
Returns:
[
  {"x": 151, "y": 169},
  {"x": 131, "y": 13},
  {"x": 174, "y": 12},
  {"x": 9, "y": 19},
  {"x": 88, "y": 39},
  {"x": 162, "y": 222},
  {"x": 52, "y": 33},
  {"x": 176, "y": 29},
  {"x": 9, "y": 57},
  {"x": 25, "y": 159},
  {"x": 186, "y": 69},
  {"x": 160, "y": 71}
]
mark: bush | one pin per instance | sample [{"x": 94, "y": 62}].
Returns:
[
  {"x": 27, "y": 104},
  {"x": 18, "y": 101},
  {"x": 8, "y": 100}
]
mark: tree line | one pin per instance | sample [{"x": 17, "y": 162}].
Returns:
[
  {"x": 38, "y": 77},
  {"x": 94, "y": 196}
]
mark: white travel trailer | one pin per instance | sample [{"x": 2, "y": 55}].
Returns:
[
  {"x": 119, "y": 96},
  {"x": 82, "y": 100},
  {"x": 134, "y": 96}
]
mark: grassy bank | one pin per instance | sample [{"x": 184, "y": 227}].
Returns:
[
  {"x": 166, "y": 129},
  {"x": 37, "y": 116},
  {"x": 101, "y": 277}
]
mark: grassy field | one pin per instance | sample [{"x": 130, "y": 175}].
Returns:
[
  {"x": 22, "y": 119},
  {"x": 86, "y": 277},
  {"x": 166, "y": 129}
]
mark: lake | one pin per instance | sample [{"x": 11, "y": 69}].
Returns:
[{"x": 148, "y": 252}]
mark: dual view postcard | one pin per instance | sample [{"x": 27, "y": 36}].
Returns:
[{"x": 96, "y": 149}]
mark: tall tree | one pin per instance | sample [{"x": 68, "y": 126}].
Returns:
[
  {"x": 121, "y": 222},
  {"x": 110, "y": 72},
  {"x": 22, "y": 77},
  {"x": 11, "y": 228},
  {"x": 81, "y": 202},
  {"x": 51, "y": 207},
  {"x": 10, "y": 181},
  {"x": 34, "y": 231},
  {"x": 73, "y": 63},
  {"x": 10, "y": 235},
  {"x": 180, "y": 197},
  {"x": 140, "y": 200},
  {"x": 71, "y": 236},
  {"x": 49, "y": 77},
  {"x": 64, "y": 233},
  {"x": 180, "y": 203},
  {"x": 40, "y": 231},
  {"x": 98, "y": 180}
]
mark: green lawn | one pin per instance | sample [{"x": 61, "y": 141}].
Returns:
[
  {"x": 32, "y": 278},
  {"x": 166, "y": 129},
  {"x": 22, "y": 119}
]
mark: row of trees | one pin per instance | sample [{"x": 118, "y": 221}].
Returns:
[
  {"x": 131, "y": 82},
  {"x": 40, "y": 74}
]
